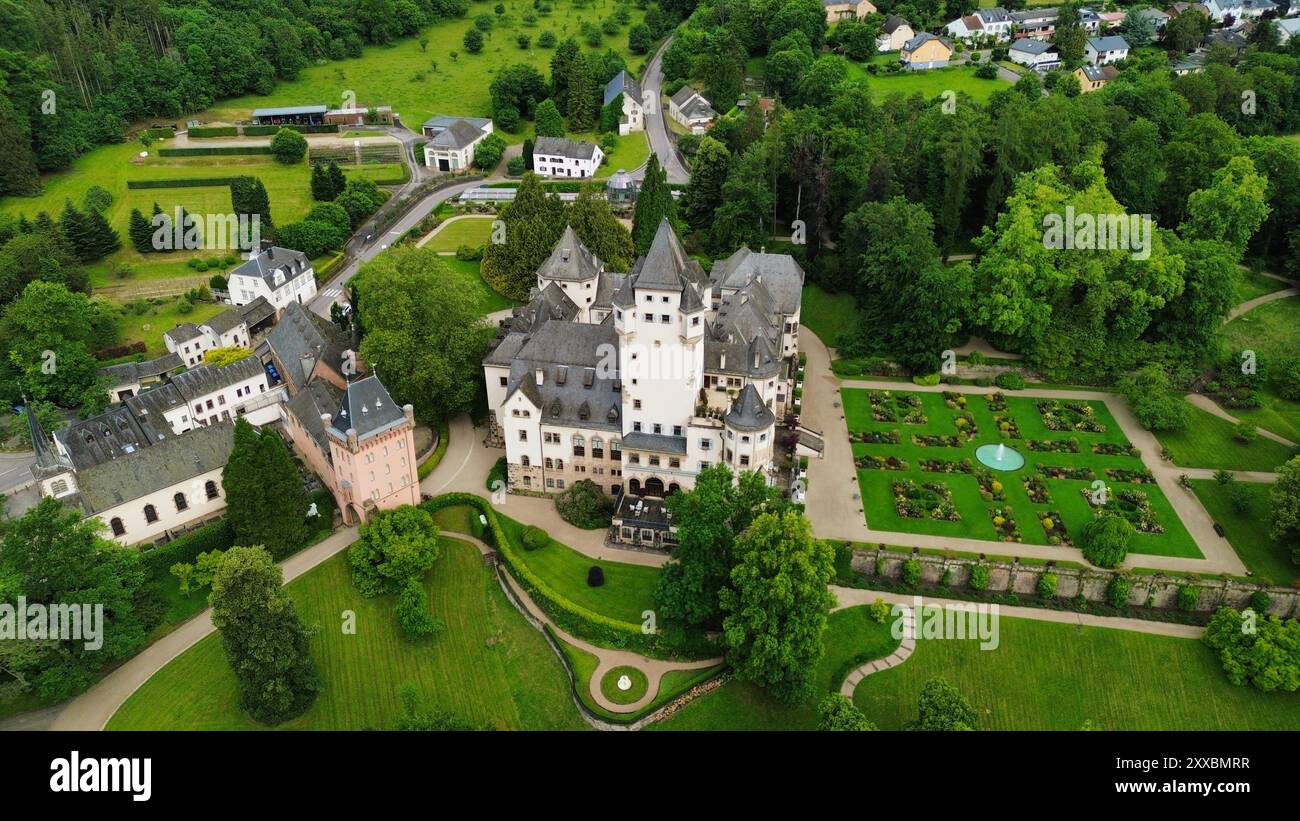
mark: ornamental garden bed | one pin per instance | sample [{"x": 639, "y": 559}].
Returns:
[
  {"x": 1114, "y": 449},
  {"x": 932, "y": 500},
  {"x": 1004, "y": 524},
  {"x": 876, "y": 437},
  {"x": 947, "y": 466},
  {"x": 1067, "y": 415},
  {"x": 870, "y": 462},
  {"x": 1066, "y": 472},
  {"x": 1133, "y": 505},
  {"x": 905, "y": 408},
  {"x": 1138, "y": 476},
  {"x": 1053, "y": 445},
  {"x": 1054, "y": 527},
  {"x": 997, "y": 402},
  {"x": 1036, "y": 489},
  {"x": 1007, "y": 427}
]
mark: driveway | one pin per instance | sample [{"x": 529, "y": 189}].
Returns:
[{"x": 656, "y": 129}]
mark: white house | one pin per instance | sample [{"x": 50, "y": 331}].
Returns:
[
  {"x": 278, "y": 274},
  {"x": 1255, "y": 9},
  {"x": 560, "y": 157},
  {"x": 1157, "y": 17},
  {"x": 1287, "y": 27},
  {"x": 209, "y": 395},
  {"x": 1036, "y": 54},
  {"x": 994, "y": 22},
  {"x": 690, "y": 109},
  {"x": 633, "y": 118},
  {"x": 191, "y": 342},
  {"x": 1102, "y": 50},
  {"x": 1220, "y": 9},
  {"x": 894, "y": 33},
  {"x": 452, "y": 141},
  {"x": 129, "y": 378}
]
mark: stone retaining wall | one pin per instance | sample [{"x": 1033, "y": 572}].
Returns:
[{"x": 1156, "y": 591}]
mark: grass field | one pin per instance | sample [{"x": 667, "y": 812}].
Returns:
[
  {"x": 931, "y": 83},
  {"x": 827, "y": 315},
  {"x": 671, "y": 684},
  {"x": 1048, "y": 676},
  {"x": 1066, "y": 497},
  {"x": 1272, "y": 330},
  {"x": 471, "y": 230},
  {"x": 1248, "y": 532},
  {"x": 489, "y": 666},
  {"x": 403, "y": 76},
  {"x": 150, "y": 326},
  {"x": 851, "y": 638},
  {"x": 1252, "y": 285},
  {"x": 1207, "y": 443}
]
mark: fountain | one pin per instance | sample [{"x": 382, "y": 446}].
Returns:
[
  {"x": 1000, "y": 457},
  {"x": 624, "y": 682}
]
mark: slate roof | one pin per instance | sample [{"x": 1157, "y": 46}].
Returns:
[
  {"x": 748, "y": 413},
  {"x": 183, "y": 332},
  {"x": 256, "y": 312},
  {"x": 171, "y": 461},
  {"x": 307, "y": 406},
  {"x": 692, "y": 104},
  {"x": 457, "y": 135},
  {"x": 778, "y": 273},
  {"x": 205, "y": 379},
  {"x": 561, "y": 147},
  {"x": 439, "y": 121},
  {"x": 226, "y": 321},
  {"x": 289, "y": 110},
  {"x": 893, "y": 23},
  {"x": 570, "y": 260},
  {"x": 579, "y": 364},
  {"x": 367, "y": 408},
  {"x": 665, "y": 267},
  {"x": 264, "y": 265},
  {"x": 1031, "y": 46},
  {"x": 110, "y": 435},
  {"x": 1111, "y": 43},
  {"x": 654, "y": 442},
  {"x": 301, "y": 339},
  {"x": 153, "y": 404},
  {"x": 993, "y": 15},
  {"x": 1093, "y": 73},
  {"x": 128, "y": 372},
  {"x": 923, "y": 38},
  {"x": 623, "y": 83},
  {"x": 606, "y": 288}
]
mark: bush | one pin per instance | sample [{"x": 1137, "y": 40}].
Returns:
[
  {"x": 1105, "y": 540},
  {"x": 1010, "y": 380},
  {"x": 288, "y": 146},
  {"x": 595, "y": 576},
  {"x": 1117, "y": 592},
  {"x": 469, "y": 253},
  {"x": 412, "y": 611},
  {"x": 927, "y": 379},
  {"x": 214, "y": 536},
  {"x": 912, "y": 572},
  {"x": 488, "y": 152},
  {"x": 880, "y": 610},
  {"x": 1260, "y": 602},
  {"x": 473, "y": 41},
  {"x": 1188, "y": 597},
  {"x": 583, "y": 504},
  {"x": 1047, "y": 584},
  {"x": 1267, "y": 657},
  {"x": 987, "y": 71},
  {"x": 1245, "y": 433},
  {"x": 535, "y": 538},
  {"x": 516, "y": 166},
  {"x": 546, "y": 39},
  {"x": 496, "y": 478},
  {"x": 979, "y": 577}
]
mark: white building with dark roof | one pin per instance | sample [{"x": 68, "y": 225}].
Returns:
[
  {"x": 1037, "y": 54},
  {"x": 995, "y": 23},
  {"x": 1102, "y": 50},
  {"x": 633, "y": 116},
  {"x": 560, "y": 157},
  {"x": 191, "y": 341},
  {"x": 452, "y": 141},
  {"x": 689, "y": 108},
  {"x": 280, "y": 275},
  {"x": 639, "y": 380}
]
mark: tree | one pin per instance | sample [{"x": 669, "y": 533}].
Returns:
[
  {"x": 942, "y": 707},
  {"x": 1184, "y": 32},
  {"x": 221, "y": 357},
  {"x": 322, "y": 188},
  {"x": 76, "y": 229},
  {"x": 654, "y": 204},
  {"x": 743, "y": 218},
  {"x": 264, "y": 641},
  {"x": 1139, "y": 30},
  {"x": 394, "y": 546},
  {"x": 600, "y": 230},
  {"x": 777, "y": 604},
  {"x": 534, "y": 221},
  {"x": 1134, "y": 167},
  {"x": 96, "y": 199},
  {"x": 581, "y": 102},
  {"x": 1284, "y": 508},
  {"x": 415, "y": 717},
  {"x": 1232, "y": 209},
  {"x": 639, "y": 38},
  {"x": 19, "y": 175},
  {"x": 248, "y": 198},
  {"x": 473, "y": 41},
  {"x": 566, "y": 55},
  {"x": 288, "y": 146},
  {"x": 487, "y": 154},
  {"x": 1257, "y": 649},
  {"x": 412, "y": 611},
  {"x": 547, "y": 120},
  {"x": 337, "y": 180},
  {"x": 360, "y": 198},
  {"x": 836, "y": 712},
  {"x": 140, "y": 232},
  {"x": 584, "y": 504},
  {"x": 1153, "y": 400},
  {"x": 1070, "y": 37},
  {"x": 50, "y": 556},
  {"x": 1105, "y": 540},
  {"x": 425, "y": 334},
  {"x": 265, "y": 500},
  {"x": 703, "y": 195}
]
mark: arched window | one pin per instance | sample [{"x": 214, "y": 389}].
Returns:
[
  {"x": 210, "y": 488},
  {"x": 559, "y": 464},
  {"x": 579, "y": 445},
  {"x": 118, "y": 528},
  {"x": 549, "y": 463},
  {"x": 523, "y": 460},
  {"x": 150, "y": 515},
  {"x": 597, "y": 447},
  {"x": 181, "y": 503}
]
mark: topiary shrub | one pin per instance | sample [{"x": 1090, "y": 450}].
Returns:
[
  {"x": 1105, "y": 540},
  {"x": 926, "y": 379},
  {"x": 1260, "y": 602},
  {"x": 880, "y": 611},
  {"x": 979, "y": 577},
  {"x": 535, "y": 538},
  {"x": 1117, "y": 592},
  {"x": 1010, "y": 381},
  {"x": 595, "y": 576},
  {"x": 412, "y": 612},
  {"x": 583, "y": 504},
  {"x": 1047, "y": 584},
  {"x": 1188, "y": 597},
  {"x": 912, "y": 572}
]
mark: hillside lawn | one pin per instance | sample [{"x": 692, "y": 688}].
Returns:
[
  {"x": 402, "y": 76},
  {"x": 1207, "y": 443},
  {"x": 827, "y": 315},
  {"x": 474, "y": 231},
  {"x": 1273, "y": 331},
  {"x": 489, "y": 666},
  {"x": 929, "y": 83},
  {"x": 1253, "y": 284},
  {"x": 976, "y": 521},
  {"x": 1248, "y": 532},
  {"x": 150, "y": 326}
]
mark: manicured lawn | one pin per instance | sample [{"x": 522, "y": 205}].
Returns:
[
  {"x": 630, "y": 153},
  {"x": 1281, "y": 416},
  {"x": 670, "y": 685},
  {"x": 1248, "y": 532},
  {"x": 975, "y": 512},
  {"x": 628, "y": 590},
  {"x": 827, "y": 315},
  {"x": 472, "y": 231},
  {"x": 1207, "y": 443},
  {"x": 402, "y": 75},
  {"x": 468, "y": 277},
  {"x": 1273, "y": 331},
  {"x": 929, "y": 83},
  {"x": 160, "y": 318},
  {"x": 1253, "y": 285},
  {"x": 489, "y": 666},
  {"x": 851, "y": 638},
  {"x": 1048, "y": 676},
  {"x": 637, "y": 685}
]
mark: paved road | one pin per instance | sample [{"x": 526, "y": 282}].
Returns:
[
  {"x": 15, "y": 469},
  {"x": 656, "y": 129}
]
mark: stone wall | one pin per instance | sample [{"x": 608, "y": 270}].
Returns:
[{"x": 1156, "y": 591}]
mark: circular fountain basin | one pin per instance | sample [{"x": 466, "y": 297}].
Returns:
[
  {"x": 624, "y": 683},
  {"x": 999, "y": 457}
]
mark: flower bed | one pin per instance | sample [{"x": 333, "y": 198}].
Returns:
[
  {"x": 1113, "y": 449},
  {"x": 956, "y": 401},
  {"x": 1036, "y": 490},
  {"x": 885, "y": 407},
  {"x": 1139, "y": 476},
  {"x": 965, "y": 423},
  {"x": 1066, "y": 472},
  {"x": 1069, "y": 416},
  {"x": 1132, "y": 505},
  {"x": 872, "y": 462},
  {"x": 1054, "y": 526},
  {"x": 935, "y": 440},
  {"x": 991, "y": 490},
  {"x": 1007, "y": 426},
  {"x": 947, "y": 466},
  {"x": 876, "y": 437},
  {"x": 997, "y": 402},
  {"x": 1004, "y": 524},
  {"x": 1053, "y": 445},
  {"x": 932, "y": 500}
]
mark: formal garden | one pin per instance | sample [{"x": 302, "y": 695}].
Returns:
[{"x": 919, "y": 472}]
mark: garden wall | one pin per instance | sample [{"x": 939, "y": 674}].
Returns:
[{"x": 1154, "y": 592}]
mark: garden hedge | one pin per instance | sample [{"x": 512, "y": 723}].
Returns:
[
  {"x": 270, "y": 130},
  {"x": 216, "y": 151},
  {"x": 159, "y": 133},
  {"x": 197, "y": 182},
  {"x": 570, "y": 617},
  {"x": 211, "y": 536},
  {"x": 215, "y": 131}
]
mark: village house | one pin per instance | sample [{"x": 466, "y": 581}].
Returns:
[
  {"x": 893, "y": 34},
  {"x": 925, "y": 51},
  {"x": 1093, "y": 78},
  {"x": 129, "y": 378},
  {"x": 837, "y": 10},
  {"x": 281, "y": 275},
  {"x": 689, "y": 108},
  {"x": 995, "y": 23},
  {"x": 1102, "y": 50},
  {"x": 561, "y": 157},
  {"x": 1287, "y": 28},
  {"x": 191, "y": 342},
  {"x": 1036, "y": 54},
  {"x": 633, "y": 116},
  {"x": 452, "y": 141}
]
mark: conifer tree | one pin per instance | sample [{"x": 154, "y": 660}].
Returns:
[
  {"x": 141, "y": 232},
  {"x": 264, "y": 495},
  {"x": 322, "y": 190},
  {"x": 654, "y": 203},
  {"x": 78, "y": 232},
  {"x": 581, "y": 108},
  {"x": 337, "y": 181}
]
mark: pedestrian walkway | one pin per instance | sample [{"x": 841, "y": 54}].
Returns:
[{"x": 1208, "y": 405}]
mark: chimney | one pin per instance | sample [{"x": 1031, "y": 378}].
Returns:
[
  {"x": 352, "y": 439},
  {"x": 409, "y": 412},
  {"x": 326, "y": 419},
  {"x": 756, "y": 360},
  {"x": 722, "y": 360},
  {"x": 540, "y": 376}
]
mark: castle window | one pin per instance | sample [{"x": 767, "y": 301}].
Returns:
[
  {"x": 210, "y": 488},
  {"x": 181, "y": 504},
  {"x": 150, "y": 514},
  {"x": 59, "y": 487},
  {"x": 523, "y": 460},
  {"x": 579, "y": 445},
  {"x": 118, "y": 528}
]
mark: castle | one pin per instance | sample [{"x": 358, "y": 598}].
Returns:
[{"x": 639, "y": 380}]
